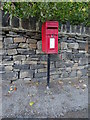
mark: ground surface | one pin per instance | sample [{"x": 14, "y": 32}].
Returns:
[{"x": 67, "y": 98}]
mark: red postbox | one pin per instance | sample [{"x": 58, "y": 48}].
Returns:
[{"x": 50, "y": 37}]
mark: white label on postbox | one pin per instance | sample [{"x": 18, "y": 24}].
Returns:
[{"x": 52, "y": 43}]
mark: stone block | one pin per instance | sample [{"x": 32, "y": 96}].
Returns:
[
  {"x": 64, "y": 74},
  {"x": 75, "y": 66},
  {"x": 39, "y": 75},
  {"x": 42, "y": 79},
  {"x": 82, "y": 46},
  {"x": 68, "y": 64},
  {"x": 53, "y": 72},
  {"x": 33, "y": 66},
  {"x": 29, "y": 62},
  {"x": 54, "y": 57},
  {"x": 33, "y": 57},
  {"x": 7, "y": 58},
  {"x": 83, "y": 61},
  {"x": 39, "y": 45},
  {"x": 39, "y": 52},
  {"x": 42, "y": 70},
  {"x": 8, "y": 68},
  {"x": 31, "y": 41},
  {"x": 73, "y": 74},
  {"x": 25, "y": 52},
  {"x": 2, "y": 68},
  {"x": 19, "y": 57},
  {"x": 64, "y": 55},
  {"x": 69, "y": 56},
  {"x": 73, "y": 45},
  {"x": 32, "y": 46},
  {"x": 54, "y": 76},
  {"x": 1, "y": 37},
  {"x": 82, "y": 51},
  {"x": 59, "y": 65},
  {"x": 8, "y": 40},
  {"x": 7, "y": 62},
  {"x": 23, "y": 45},
  {"x": 10, "y": 75},
  {"x": 17, "y": 62},
  {"x": 79, "y": 73},
  {"x": 63, "y": 45},
  {"x": 87, "y": 47},
  {"x": 68, "y": 69},
  {"x": 19, "y": 39},
  {"x": 69, "y": 50},
  {"x": 11, "y": 46},
  {"x": 3, "y": 52},
  {"x": 27, "y": 80},
  {"x": 1, "y": 45},
  {"x": 84, "y": 72},
  {"x": 21, "y": 67},
  {"x": 43, "y": 62},
  {"x": 75, "y": 51},
  {"x": 12, "y": 52},
  {"x": 26, "y": 74}
]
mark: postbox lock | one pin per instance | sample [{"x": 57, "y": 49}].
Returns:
[{"x": 52, "y": 35}]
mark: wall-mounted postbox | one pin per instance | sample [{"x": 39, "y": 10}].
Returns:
[{"x": 50, "y": 37}]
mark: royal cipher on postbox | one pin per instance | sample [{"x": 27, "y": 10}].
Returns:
[{"x": 50, "y": 37}]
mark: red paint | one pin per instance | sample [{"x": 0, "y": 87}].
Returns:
[{"x": 50, "y": 34}]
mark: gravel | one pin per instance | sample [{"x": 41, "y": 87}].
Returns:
[{"x": 61, "y": 99}]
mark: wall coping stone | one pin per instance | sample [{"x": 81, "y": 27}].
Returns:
[{"x": 34, "y": 31}]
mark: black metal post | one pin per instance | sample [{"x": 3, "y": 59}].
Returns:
[{"x": 48, "y": 70}]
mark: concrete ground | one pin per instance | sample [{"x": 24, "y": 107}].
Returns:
[{"x": 67, "y": 98}]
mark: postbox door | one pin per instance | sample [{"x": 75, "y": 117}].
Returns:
[{"x": 52, "y": 44}]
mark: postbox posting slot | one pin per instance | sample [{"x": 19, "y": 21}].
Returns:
[{"x": 52, "y": 28}]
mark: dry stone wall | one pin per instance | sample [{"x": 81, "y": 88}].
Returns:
[{"x": 22, "y": 56}]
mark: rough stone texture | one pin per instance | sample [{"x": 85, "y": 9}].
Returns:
[
  {"x": 32, "y": 46},
  {"x": 22, "y": 55},
  {"x": 26, "y": 74},
  {"x": 79, "y": 73},
  {"x": 36, "y": 66},
  {"x": 25, "y": 52},
  {"x": 84, "y": 72},
  {"x": 31, "y": 41},
  {"x": 83, "y": 61},
  {"x": 11, "y": 46},
  {"x": 73, "y": 45},
  {"x": 23, "y": 45},
  {"x": 19, "y": 57},
  {"x": 8, "y": 68},
  {"x": 39, "y": 75},
  {"x": 21, "y": 67},
  {"x": 10, "y": 76},
  {"x": 39, "y": 45},
  {"x": 18, "y": 39},
  {"x": 8, "y": 40},
  {"x": 73, "y": 74},
  {"x": 42, "y": 70},
  {"x": 64, "y": 74},
  {"x": 64, "y": 45},
  {"x": 1, "y": 45},
  {"x": 29, "y": 62},
  {"x": 12, "y": 52}
]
